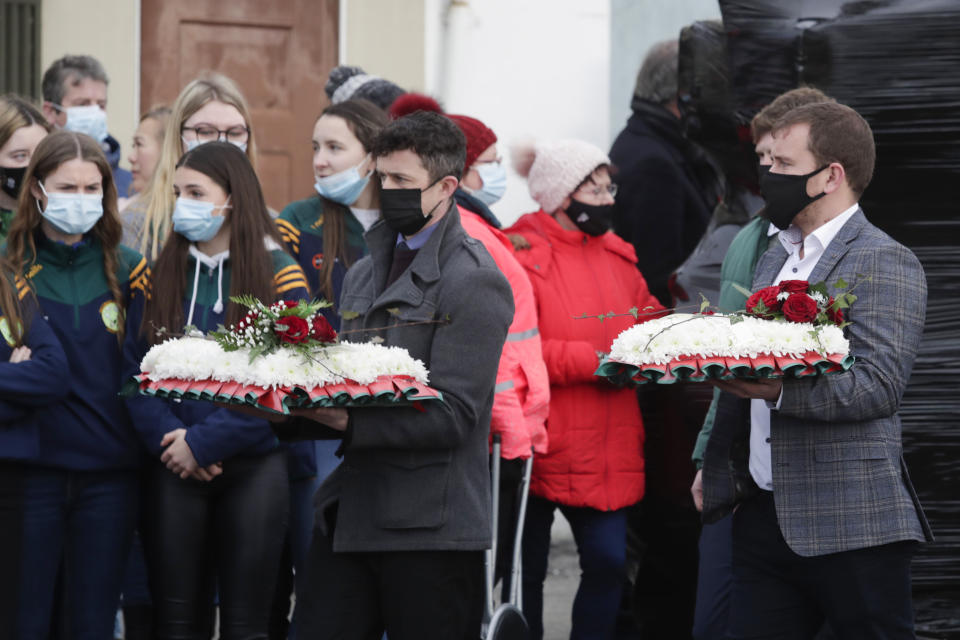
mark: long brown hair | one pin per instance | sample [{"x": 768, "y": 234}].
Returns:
[
  {"x": 250, "y": 229},
  {"x": 365, "y": 120},
  {"x": 54, "y": 150}
]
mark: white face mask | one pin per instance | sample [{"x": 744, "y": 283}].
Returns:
[
  {"x": 344, "y": 187},
  {"x": 72, "y": 213},
  {"x": 494, "y": 178},
  {"x": 91, "y": 120}
]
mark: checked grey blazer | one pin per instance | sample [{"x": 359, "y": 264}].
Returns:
[{"x": 839, "y": 479}]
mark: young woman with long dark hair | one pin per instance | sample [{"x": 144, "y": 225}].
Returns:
[
  {"x": 80, "y": 490},
  {"x": 218, "y": 490}
]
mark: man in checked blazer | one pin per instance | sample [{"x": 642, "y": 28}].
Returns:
[{"x": 825, "y": 517}]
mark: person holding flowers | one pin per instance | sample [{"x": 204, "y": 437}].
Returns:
[
  {"x": 825, "y": 518},
  {"x": 218, "y": 491}
]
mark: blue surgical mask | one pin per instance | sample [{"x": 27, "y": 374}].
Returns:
[
  {"x": 194, "y": 219},
  {"x": 494, "y": 178},
  {"x": 344, "y": 187},
  {"x": 91, "y": 120},
  {"x": 193, "y": 144},
  {"x": 72, "y": 213}
]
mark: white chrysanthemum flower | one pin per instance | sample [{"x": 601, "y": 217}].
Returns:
[
  {"x": 200, "y": 359},
  {"x": 661, "y": 340}
]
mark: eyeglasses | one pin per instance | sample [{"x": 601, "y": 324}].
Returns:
[
  {"x": 209, "y": 133},
  {"x": 597, "y": 191}
]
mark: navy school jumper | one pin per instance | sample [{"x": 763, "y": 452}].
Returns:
[{"x": 89, "y": 429}]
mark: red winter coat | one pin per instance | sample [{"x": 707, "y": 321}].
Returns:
[
  {"x": 595, "y": 458},
  {"x": 522, "y": 397}
]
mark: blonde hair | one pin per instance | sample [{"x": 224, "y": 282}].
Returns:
[{"x": 158, "y": 194}]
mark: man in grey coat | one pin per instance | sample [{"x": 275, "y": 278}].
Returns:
[
  {"x": 404, "y": 519},
  {"x": 826, "y": 518}
]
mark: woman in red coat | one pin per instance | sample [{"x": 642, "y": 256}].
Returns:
[{"x": 594, "y": 467}]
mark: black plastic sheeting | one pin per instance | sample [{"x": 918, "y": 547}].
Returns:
[{"x": 897, "y": 62}]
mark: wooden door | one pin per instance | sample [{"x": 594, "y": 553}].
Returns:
[{"x": 279, "y": 52}]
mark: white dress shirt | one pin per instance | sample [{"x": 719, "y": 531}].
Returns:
[{"x": 795, "y": 268}]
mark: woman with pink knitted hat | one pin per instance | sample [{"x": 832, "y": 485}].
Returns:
[{"x": 594, "y": 467}]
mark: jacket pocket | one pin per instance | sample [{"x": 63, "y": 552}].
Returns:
[
  {"x": 850, "y": 450},
  {"x": 354, "y": 304},
  {"x": 412, "y": 491}
]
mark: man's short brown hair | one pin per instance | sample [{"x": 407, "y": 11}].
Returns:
[
  {"x": 837, "y": 134},
  {"x": 763, "y": 122}
]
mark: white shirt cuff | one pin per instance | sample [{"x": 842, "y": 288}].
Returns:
[{"x": 775, "y": 406}]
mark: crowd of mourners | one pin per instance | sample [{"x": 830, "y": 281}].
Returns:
[{"x": 196, "y": 518}]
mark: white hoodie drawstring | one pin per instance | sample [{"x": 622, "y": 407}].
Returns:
[
  {"x": 193, "y": 298},
  {"x": 217, "y": 261},
  {"x": 218, "y": 306},
  {"x": 211, "y": 262}
]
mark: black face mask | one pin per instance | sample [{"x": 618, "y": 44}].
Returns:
[
  {"x": 10, "y": 180},
  {"x": 786, "y": 196},
  {"x": 592, "y": 219},
  {"x": 401, "y": 209}
]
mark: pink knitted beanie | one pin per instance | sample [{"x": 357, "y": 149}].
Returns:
[{"x": 555, "y": 169}]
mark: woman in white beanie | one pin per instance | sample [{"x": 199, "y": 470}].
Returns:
[{"x": 594, "y": 467}]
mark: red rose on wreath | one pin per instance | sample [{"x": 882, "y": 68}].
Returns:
[
  {"x": 322, "y": 330},
  {"x": 292, "y": 330},
  {"x": 834, "y": 314},
  {"x": 794, "y": 286},
  {"x": 290, "y": 304},
  {"x": 768, "y": 296},
  {"x": 800, "y": 307}
]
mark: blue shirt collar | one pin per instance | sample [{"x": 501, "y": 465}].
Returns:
[{"x": 417, "y": 240}]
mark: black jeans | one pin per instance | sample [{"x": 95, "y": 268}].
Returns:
[
  {"x": 227, "y": 535},
  {"x": 777, "y": 594},
  {"x": 412, "y": 595},
  {"x": 11, "y": 534}
]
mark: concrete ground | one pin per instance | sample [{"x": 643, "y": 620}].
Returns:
[{"x": 563, "y": 577}]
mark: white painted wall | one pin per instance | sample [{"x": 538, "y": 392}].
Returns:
[
  {"x": 108, "y": 30},
  {"x": 531, "y": 68}
]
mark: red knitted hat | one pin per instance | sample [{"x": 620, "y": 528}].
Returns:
[{"x": 479, "y": 137}]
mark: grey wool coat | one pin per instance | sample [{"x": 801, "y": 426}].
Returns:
[
  {"x": 839, "y": 479},
  {"x": 418, "y": 479}
]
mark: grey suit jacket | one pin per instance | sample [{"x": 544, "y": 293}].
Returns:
[
  {"x": 839, "y": 479},
  {"x": 418, "y": 479}
]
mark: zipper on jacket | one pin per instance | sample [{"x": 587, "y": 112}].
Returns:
[
  {"x": 606, "y": 405},
  {"x": 76, "y": 295}
]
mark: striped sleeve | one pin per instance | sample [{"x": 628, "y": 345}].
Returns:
[
  {"x": 23, "y": 287},
  {"x": 290, "y": 235},
  {"x": 289, "y": 278},
  {"x": 140, "y": 278}
]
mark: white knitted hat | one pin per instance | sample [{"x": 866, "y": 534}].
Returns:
[{"x": 555, "y": 169}]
